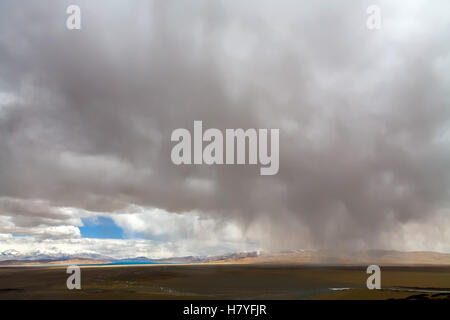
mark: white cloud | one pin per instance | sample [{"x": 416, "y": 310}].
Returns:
[
  {"x": 154, "y": 222},
  {"x": 45, "y": 229},
  {"x": 117, "y": 248}
]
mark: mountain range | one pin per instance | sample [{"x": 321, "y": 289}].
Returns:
[{"x": 298, "y": 257}]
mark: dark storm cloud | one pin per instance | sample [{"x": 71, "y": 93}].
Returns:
[{"x": 363, "y": 115}]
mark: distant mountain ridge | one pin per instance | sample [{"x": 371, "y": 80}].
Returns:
[
  {"x": 323, "y": 257},
  {"x": 299, "y": 257},
  {"x": 12, "y": 254}
]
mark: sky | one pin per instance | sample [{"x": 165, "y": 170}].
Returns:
[{"x": 86, "y": 118}]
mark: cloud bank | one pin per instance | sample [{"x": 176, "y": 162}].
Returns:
[{"x": 86, "y": 118}]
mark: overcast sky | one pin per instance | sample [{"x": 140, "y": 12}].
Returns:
[{"x": 86, "y": 118}]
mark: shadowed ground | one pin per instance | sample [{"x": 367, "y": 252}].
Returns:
[{"x": 224, "y": 282}]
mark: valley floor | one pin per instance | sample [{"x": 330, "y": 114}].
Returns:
[{"x": 225, "y": 282}]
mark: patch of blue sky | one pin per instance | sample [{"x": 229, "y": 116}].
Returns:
[
  {"x": 19, "y": 235},
  {"x": 100, "y": 227}
]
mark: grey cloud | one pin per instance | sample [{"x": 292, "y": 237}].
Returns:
[{"x": 362, "y": 115}]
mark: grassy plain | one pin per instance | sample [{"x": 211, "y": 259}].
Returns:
[{"x": 224, "y": 282}]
